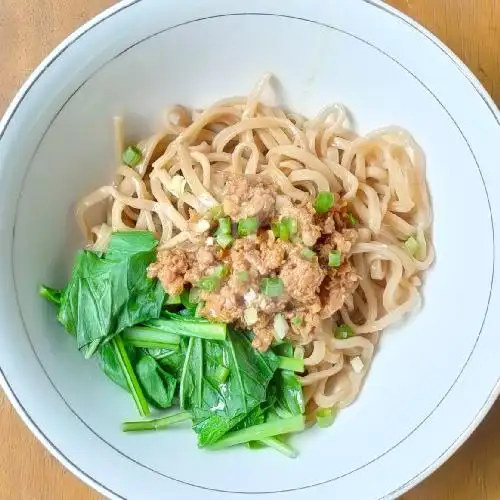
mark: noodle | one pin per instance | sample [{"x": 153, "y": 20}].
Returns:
[{"x": 381, "y": 177}]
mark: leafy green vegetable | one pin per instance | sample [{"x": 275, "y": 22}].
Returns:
[
  {"x": 157, "y": 384},
  {"x": 288, "y": 393},
  {"x": 285, "y": 348},
  {"x": 255, "y": 417},
  {"x": 157, "y": 423},
  {"x": 51, "y": 294},
  {"x": 173, "y": 300},
  {"x": 110, "y": 364},
  {"x": 148, "y": 337},
  {"x": 261, "y": 432},
  {"x": 171, "y": 360},
  {"x": 130, "y": 377},
  {"x": 291, "y": 364},
  {"x": 107, "y": 294},
  {"x": 279, "y": 445},
  {"x": 185, "y": 326},
  {"x": 218, "y": 408}
]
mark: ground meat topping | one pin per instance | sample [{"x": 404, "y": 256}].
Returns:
[
  {"x": 170, "y": 268},
  {"x": 305, "y": 286}
]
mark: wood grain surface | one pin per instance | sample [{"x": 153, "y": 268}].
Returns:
[{"x": 30, "y": 29}]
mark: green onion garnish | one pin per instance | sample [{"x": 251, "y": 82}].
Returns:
[
  {"x": 132, "y": 156},
  {"x": 281, "y": 231},
  {"x": 272, "y": 287},
  {"x": 224, "y": 226},
  {"x": 296, "y": 320},
  {"x": 291, "y": 225},
  {"x": 308, "y": 254},
  {"x": 334, "y": 258},
  {"x": 243, "y": 276},
  {"x": 221, "y": 374},
  {"x": 325, "y": 417},
  {"x": 343, "y": 332},
  {"x": 221, "y": 271},
  {"x": 412, "y": 246},
  {"x": 248, "y": 226},
  {"x": 323, "y": 202},
  {"x": 224, "y": 240},
  {"x": 352, "y": 219},
  {"x": 209, "y": 283},
  {"x": 215, "y": 212}
]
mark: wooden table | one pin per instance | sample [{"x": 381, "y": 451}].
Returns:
[{"x": 29, "y": 29}]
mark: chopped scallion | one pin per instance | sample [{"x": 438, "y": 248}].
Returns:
[
  {"x": 209, "y": 283},
  {"x": 412, "y": 246},
  {"x": 308, "y": 254},
  {"x": 323, "y": 202},
  {"x": 215, "y": 212},
  {"x": 248, "y": 226},
  {"x": 221, "y": 271},
  {"x": 325, "y": 417},
  {"x": 296, "y": 320},
  {"x": 353, "y": 221},
  {"x": 224, "y": 240},
  {"x": 334, "y": 258},
  {"x": 243, "y": 276},
  {"x": 291, "y": 224},
  {"x": 272, "y": 287},
  {"x": 343, "y": 332},
  {"x": 224, "y": 226},
  {"x": 132, "y": 156}
]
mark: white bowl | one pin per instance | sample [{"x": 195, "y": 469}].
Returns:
[{"x": 434, "y": 377}]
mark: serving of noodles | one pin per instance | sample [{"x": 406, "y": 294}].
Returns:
[{"x": 380, "y": 215}]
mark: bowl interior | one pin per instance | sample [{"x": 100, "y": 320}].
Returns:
[{"x": 417, "y": 361}]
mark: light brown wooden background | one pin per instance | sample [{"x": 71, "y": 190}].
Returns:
[{"x": 29, "y": 29}]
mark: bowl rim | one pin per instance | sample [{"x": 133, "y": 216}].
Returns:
[{"x": 38, "y": 73}]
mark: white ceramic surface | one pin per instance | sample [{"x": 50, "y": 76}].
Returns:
[{"x": 434, "y": 377}]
